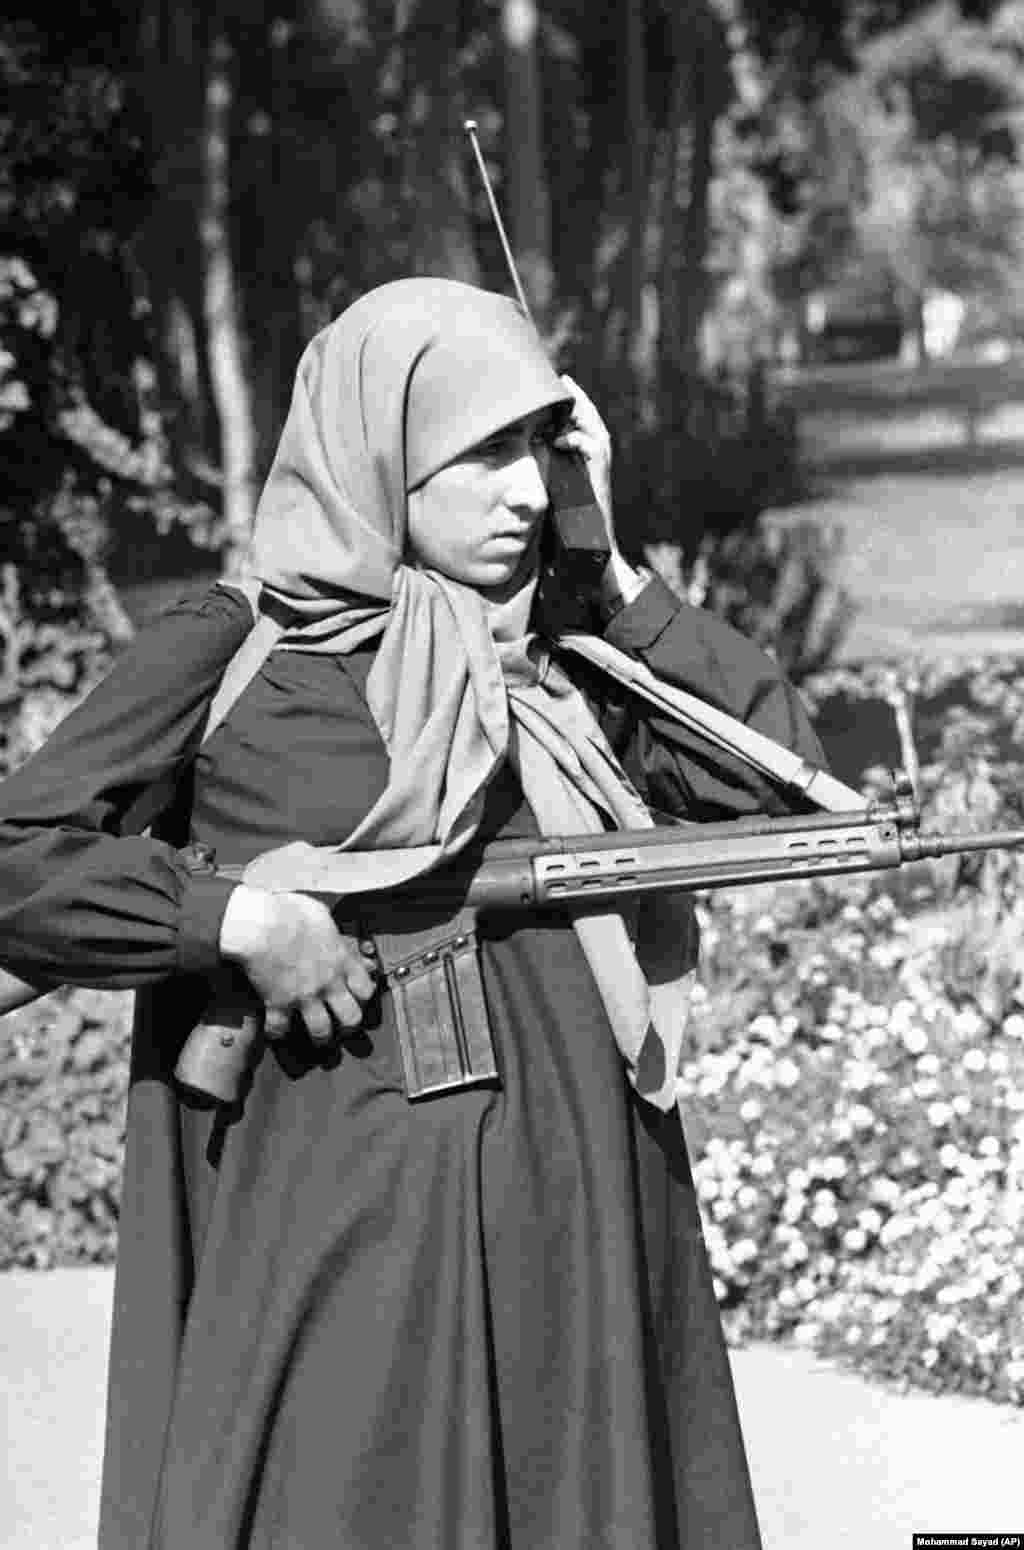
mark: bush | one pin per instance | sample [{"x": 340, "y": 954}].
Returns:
[
  {"x": 63, "y": 1073},
  {"x": 856, "y": 1091}
]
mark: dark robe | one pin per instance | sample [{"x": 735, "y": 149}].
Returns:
[{"x": 340, "y": 1319}]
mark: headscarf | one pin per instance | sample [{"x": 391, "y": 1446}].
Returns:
[{"x": 412, "y": 375}]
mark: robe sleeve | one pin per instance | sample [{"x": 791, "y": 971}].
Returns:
[
  {"x": 80, "y": 902},
  {"x": 696, "y": 651}
]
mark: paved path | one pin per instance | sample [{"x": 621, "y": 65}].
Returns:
[
  {"x": 934, "y": 564},
  {"x": 838, "y": 1463}
]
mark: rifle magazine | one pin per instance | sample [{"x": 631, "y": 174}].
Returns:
[{"x": 441, "y": 1016}]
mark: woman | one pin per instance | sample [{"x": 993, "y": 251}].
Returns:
[{"x": 484, "y": 1319}]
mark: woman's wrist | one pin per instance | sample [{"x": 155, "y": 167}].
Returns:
[
  {"x": 621, "y": 584},
  {"x": 243, "y": 929}
]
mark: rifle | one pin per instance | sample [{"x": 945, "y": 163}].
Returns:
[{"x": 534, "y": 875}]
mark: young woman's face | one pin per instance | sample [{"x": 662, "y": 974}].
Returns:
[{"x": 478, "y": 519}]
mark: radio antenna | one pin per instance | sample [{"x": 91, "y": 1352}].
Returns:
[{"x": 470, "y": 128}]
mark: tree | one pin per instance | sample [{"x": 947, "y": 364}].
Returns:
[
  {"x": 899, "y": 165},
  {"x": 942, "y": 102}
]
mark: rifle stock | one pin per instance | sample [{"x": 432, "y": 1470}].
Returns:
[{"x": 577, "y": 870}]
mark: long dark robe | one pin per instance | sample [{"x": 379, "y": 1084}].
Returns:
[{"x": 340, "y": 1319}]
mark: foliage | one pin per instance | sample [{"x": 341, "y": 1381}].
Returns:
[
  {"x": 82, "y": 443},
  {"x": 855, "y": 1090},
  {"x": 49, "y": 661},
  {"x": 776, "y": 583},
  {"x": 905, "y": 169},
  {"x": 63, "y": 1070}
]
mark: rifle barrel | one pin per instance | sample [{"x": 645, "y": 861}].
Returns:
[{"x": 921, "y": 847}]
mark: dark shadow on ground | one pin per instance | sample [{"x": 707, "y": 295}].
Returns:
[
  {"x": 857, "y": 734},
  {"x": 867, "y": 462}
]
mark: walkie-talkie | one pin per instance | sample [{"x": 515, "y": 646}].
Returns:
[{"x": 574, "y": 549}]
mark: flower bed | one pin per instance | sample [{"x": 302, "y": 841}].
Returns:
[{"x": 855, "y": 1092}]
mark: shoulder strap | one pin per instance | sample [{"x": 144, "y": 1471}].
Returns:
[
  {"x": 242, "y": 669},
  {"x": 725, "y": 731},
  {"x": 266, "y": 631}
]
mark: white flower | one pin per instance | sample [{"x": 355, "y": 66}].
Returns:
[
  {"x": 974, "y": 1060},
  {"x": 804, "y": 1288},
  {"x": 763, "y": 1164},
  {"x": 961, "y": 1104},
  {"x": 1014, "y": 1026},
  {"x": 824, "y": 1215},
  {"x": 895, "y": 1228},
  {"x": 869, "y": 1220},
  {"x": 861, "y": 1117},
  {"x": 1015, "y": 1371},
  {"x": 930, "y": 1357},
  {"x": 855, "y": 1239},
  {"x": 747, "y": 1197},
  {"x": 939, "y": 1114},
  {"x": 750, "y": 1110},
  {"x": 915, "y": 1040},
  {"x": 793, "y": 1208},
  {"x": 745, "y": 1249},
  {"x": 988, "y": 1146},
  {"x": 967, "y": 1023},
  {"x": 928, "y": 1065},
  {"x": 794, "y": 1253},
  {"x": 859, "y": 1076},
  {"x": 787, "y": 1072},
  {"x": 833, "y": 1167},
  {"x": 949, "y": 1155},
  {"x": 797, "y": 1179},
  {"x": 998, "y": 1060}
]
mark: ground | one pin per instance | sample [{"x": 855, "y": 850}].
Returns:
[{"x": 933, "y": 523}]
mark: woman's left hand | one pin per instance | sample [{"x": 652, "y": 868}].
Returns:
[{"x": 587, "y": 433}]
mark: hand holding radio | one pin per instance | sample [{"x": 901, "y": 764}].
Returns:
[{"x": 588, "y": 435}]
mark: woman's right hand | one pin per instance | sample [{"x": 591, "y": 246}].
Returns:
[{"x": 297, "y": 960}]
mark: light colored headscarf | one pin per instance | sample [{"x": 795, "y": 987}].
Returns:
[{"x": 408, "y": 378}]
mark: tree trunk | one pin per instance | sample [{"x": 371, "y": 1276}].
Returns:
[
  {"x": 626, "y": 356},
  {"x": 170, "y": 50},
  {"x": 440, "y": 235},
  {"x": 701, "y": 94},
  {"x": 224, "y": 345},
  {"x": 637, "y": 137},
  {"x": 529, "y": 216}
]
